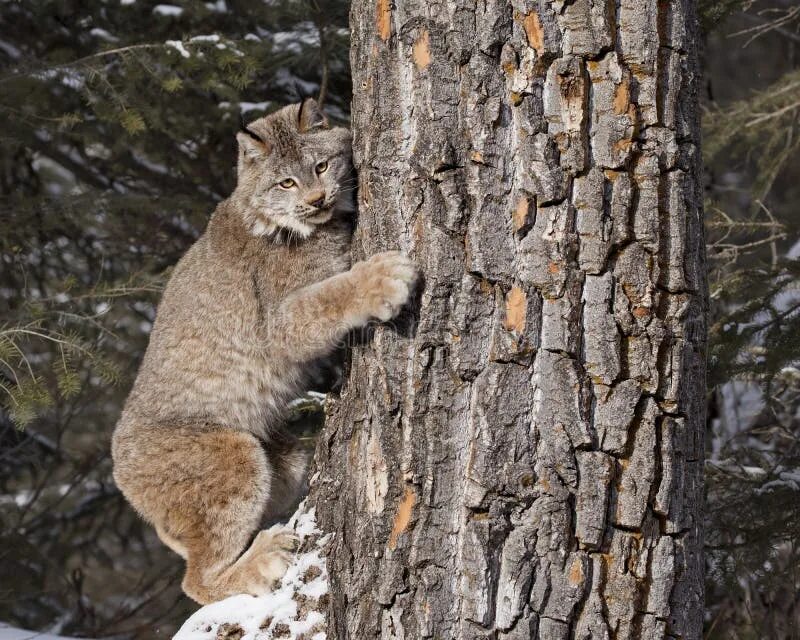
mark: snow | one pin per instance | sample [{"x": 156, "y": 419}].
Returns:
[
  {"x": 10, "y": 633},
  {"x": 101, "y": 308},
  {"x": 306, "y": 579},
  {"x": 794, "y": 251},
  {"x": 155, "y": 167},
  {"x": 60, "y": 179},
  {"x": 785, "y": 480},
  {"x": 217, "y": 7},
  {"x": 97, "y": 150},
  {"x": 97, "y": 32},
  {"x": 286, "y": 79},
  {"x": 304, "y": 33},
  {"x": 310, "y": 397},
  {"x": 10, "y": 50},
  {"x": 244, "y": 107},
  {"x": 742, "y": 402},
  {"x": 24, "y": 497},
  {"x": 178, "y": 45},
  {"x": 167, "y": 10},
  {"x": 189, "y": 147},
  {"x": 211, "y": 38},
  {"x": 793, "y": 372},
  {"x": 68, "y": 77}
]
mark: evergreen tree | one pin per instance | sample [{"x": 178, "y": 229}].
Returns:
[
  {"x": 118, "y": 123},
  {"x": 753, "y": 471}
]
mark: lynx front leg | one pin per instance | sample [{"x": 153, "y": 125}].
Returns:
[{"x": 314, "y": 319}]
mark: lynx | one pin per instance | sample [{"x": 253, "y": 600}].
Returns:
[{"x": 264, "y": 294}]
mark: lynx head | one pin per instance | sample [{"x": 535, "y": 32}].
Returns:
[{"x": 294, "y": 171}]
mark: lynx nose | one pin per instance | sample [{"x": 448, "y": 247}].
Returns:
[{"x": 315, "y": 199}]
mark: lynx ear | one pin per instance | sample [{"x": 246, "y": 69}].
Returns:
[
  {"x": 251, "y": 144},
  {"x": 310, "y": 116}
]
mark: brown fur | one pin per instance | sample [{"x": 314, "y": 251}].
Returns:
[{"x": 260, "y": 297}]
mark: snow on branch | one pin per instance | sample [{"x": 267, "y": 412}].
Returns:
[{"x": 294, "y": 611}]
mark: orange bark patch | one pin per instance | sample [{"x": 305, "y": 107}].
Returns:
[
  {"x": 421, "y": 50},
  {"x": 516, "y": 309},
  {"x": 576, "y": 572},
  {"x": 641, "y": 312},
  {"x": 623, "y": 145},
  {"x": 534, "y": 31},
  {"x": 553, "y": 267},
  {"x": 403, "y": 516},
  {"x": 520, "y": 215},
  {"x": 622, "y": 96},
  {"x": 383, "y": 19},
  {"x": 476, "y": 156}
]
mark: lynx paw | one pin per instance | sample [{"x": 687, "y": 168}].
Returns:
[
  {"x": 272, "y": 552},
  {"x": 385, "y": 283}
]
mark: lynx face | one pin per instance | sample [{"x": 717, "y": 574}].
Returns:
[{"x": 293, "y": 171}]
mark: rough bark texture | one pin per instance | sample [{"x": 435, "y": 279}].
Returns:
[{"x": 525, "y": 461}]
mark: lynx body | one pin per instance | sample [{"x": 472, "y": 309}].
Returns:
[{"x": 265, "y": 293}]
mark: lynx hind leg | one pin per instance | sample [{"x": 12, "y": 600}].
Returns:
[{"x": 205, "y": 490}]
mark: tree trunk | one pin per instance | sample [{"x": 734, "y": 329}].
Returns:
[{"x": 523, "y": 458}]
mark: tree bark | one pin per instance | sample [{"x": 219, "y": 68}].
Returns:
[{"x": 523, "y": 458}]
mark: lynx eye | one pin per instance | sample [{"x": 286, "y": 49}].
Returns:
[
  {"x": 287, "y": 184},
  {"x": 321, "y": 167}
]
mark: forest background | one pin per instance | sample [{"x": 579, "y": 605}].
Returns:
[{"x": 117, "y": 123}]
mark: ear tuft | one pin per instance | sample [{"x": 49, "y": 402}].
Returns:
[{"x": 310, "y": 116}]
